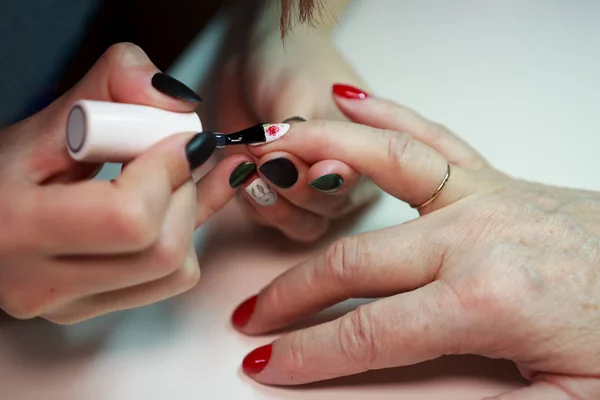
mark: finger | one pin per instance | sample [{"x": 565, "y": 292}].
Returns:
[
  {"x": 365, "y": 266},
  {"x": 220, "y": 185},
  {"x": 297, "y": 224},
  {"x": 84, "y": 276},
  {"x": 180, "y": 281},
  {"x": 250, "y": 210},
  {"x": 123, "y": 74},
  {"x": 293, "y": 96},
  {"x": 288, "y": 175},
  {"x": 332, "y": 177},
  {"x": 385, "y": 114},
  {"x": 402, "y": 330},
  {"x": 114, "y": 217},
  {"x": 338, "y": 179},
  {"x": 555, "y": 388},
  {"x": 399, "y": 164},
  {"x": 73, "y": 278}
]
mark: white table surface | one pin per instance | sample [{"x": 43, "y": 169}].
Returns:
[{"x": 518, "y": 79}]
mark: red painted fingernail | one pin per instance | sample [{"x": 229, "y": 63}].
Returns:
[
  {"x": 349, "y": 92},
  {"x": 257, "y": 360},
  {"x": 242, "y": 314}
]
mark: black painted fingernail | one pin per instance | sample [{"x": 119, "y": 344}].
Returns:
[
  {"x": 200, "y": 148},
  {"x": 293, "y": 119},
  {"x": 281, "y": 171},
  {"x": 327, "y": 183},
  {"x": 172, "y": 87},
  {"x": 241, "y": 173}
]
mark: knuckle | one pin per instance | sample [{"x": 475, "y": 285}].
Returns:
[
  {"x": 189, "y": 276},
  {"x": 341, "y": 259},
  {"x": 135, "y": 223},
  {"x": 399, "y": 146},
  {"x": 498, "y": 292},
  {"x": 169, "y": 255},
  {"x": 436, "y": 131},
  {"x": 296, "y": 361},
  {"x": 116, "y": 53},
  {"x": 356, "y": 338}
]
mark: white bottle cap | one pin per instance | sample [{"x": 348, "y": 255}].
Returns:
[{"x": 99, "y": 131}]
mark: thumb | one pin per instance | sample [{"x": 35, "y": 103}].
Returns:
[
  {"x": 123, "y": 74},
  {"x": 555, "y": 388}
]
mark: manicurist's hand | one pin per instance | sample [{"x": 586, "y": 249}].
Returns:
[
  {"x": 493, "y": 266},
  {"x": 73, "y": 248}
]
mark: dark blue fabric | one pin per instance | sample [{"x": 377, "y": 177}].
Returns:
[{"x": 37, "y": 39}]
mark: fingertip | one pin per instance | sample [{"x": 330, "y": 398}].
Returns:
[
  {"x": 242, "y": 314},
  {"x": 128, "y": 54},
  {"x": 133, "y": 78},
  {"x": 257, "y": 360},
  {"x": 349, "y": 92},
  {"x": 259, "y": 150},
  {"x": 200, "y": 148},
  {"x": 328, "y": 184},
  {"x": 260, "y": 192},
  {"x": 242, "y": 173},
  {"x": 332, "y": 177},
  {"x": 214, "y": 189},
  {"x": 174, "y": 88}
]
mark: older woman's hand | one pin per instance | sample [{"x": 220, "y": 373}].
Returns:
[{"x": 494, "y": 266}]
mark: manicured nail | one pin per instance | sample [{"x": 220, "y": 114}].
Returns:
[
  {"x": 200, "y": 148},
  {"x": 174, "y": 88},
  {"x": 294, "y": 119},
  {"x": 241, "y": 173},
  {"x": 270, "y": 133},
  {"x": 242, "y": 314},
  {"x": 281, "y": 172},
  {"x": 261, "y": 192},
  {"x": 349, "y": 92},
  {"x": 327, "y": 183},
  {"x": 257, "y": 360}
]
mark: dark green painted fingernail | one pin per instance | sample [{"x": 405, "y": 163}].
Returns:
[
  {"x": 327, "y": 183},
  {"x": 241, "y": 173},
  {"x": 294, "y": 119}
]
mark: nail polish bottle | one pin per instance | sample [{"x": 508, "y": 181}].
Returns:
[{"x": 99, "y": 131}]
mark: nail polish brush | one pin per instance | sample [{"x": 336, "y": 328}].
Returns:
[
  {"x": 99, "y": 131},
  {"x": 253, "y": 136}
]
